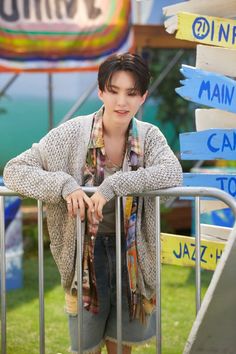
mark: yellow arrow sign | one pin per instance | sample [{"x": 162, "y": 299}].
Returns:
[
  {"x": 180, "y": 250},
  {"x": 207, "y": 29}
]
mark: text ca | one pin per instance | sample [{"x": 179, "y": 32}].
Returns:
[{"x": 222, "y": 142}]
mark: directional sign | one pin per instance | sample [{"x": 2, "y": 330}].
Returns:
[
  {"x": 213, "y": 8},
  {"x": 209, "y": 89},
  {"x": 207, "y": 29},
  {"x": 208, "y": 145},
  {"x": 215, "y": 233},
  {"x": 210, "y": 205},
  {"x": 225, "y": 63},
  {"x": 224, "y": 182},
  {"x": 181, "y": 250},
  {"x": 214, "y": 118},
  {"x": 198, "y": 6}
]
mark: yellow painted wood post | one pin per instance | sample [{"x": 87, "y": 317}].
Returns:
[
  {"x": 180, "y": 250},
  {"x": 207, "y": 29}
]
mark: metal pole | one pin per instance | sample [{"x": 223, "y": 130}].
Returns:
[
  {"x": 50, "y": 102},
  {"x": 41, "y": 279},
  {"x": 194, "y": 192},
  {"x": 3, "y": 276},
  {"x": 8, "y": 84},
  {"x": 79, "y": 102},
  {"x": 160, "y": 78},
  {"x": 198, "y": 253},
  {"x": 158, "y": 276},
  {"x": 79, "y": 284},
  {"x": 139, "y": 48},
  {"x": 118, "y": 277},
  {"x": 140, "y": 113},
  {"x": 138, "y": 12}
]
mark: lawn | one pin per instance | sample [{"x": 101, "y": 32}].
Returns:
[{"x": 178, "y": 310}]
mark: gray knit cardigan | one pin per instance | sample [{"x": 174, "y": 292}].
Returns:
[{"x": 53, "y": 168}]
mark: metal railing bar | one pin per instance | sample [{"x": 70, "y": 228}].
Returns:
[
  {"x": 4, "y": 191},
  {"x": 197, "y": 253},
  {"x": 50, "y": 101},
  {"x": 184, "y": 191},
  {"x": 79, "y": 283},
  {"x": 3, "y": 276},
  {"x": 118, "y": 277},
  {"x": 176, "y": 191},
  {"x": 41, "y": 279},
  {"x": 158, "y": 277}
]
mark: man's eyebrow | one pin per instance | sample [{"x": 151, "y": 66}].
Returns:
[
  {"x": 113, "y": 86},
  {"x": 128, "y": 89}
]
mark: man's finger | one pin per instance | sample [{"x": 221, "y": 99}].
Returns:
[
  {"x": 95, "y": 213},
  {"x": 90, "y": 216},
  {"x": 81, "y": 206},
  {"x": 89, "y": 203},
  {"x": 74, "y": 207},
  {"x": 99, "y": 211},
  {"x": 69, "y": 206}
]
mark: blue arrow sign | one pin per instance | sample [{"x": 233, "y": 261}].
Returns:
[
  {"x": 224, "y": 182},
  {"x": 209, "y": 89},
  {"x": 208, "y": 144}
]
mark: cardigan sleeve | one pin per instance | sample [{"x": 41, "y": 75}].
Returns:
[
  {"x": 31, "y": 174},
  {"x": 161, "y": 170}
]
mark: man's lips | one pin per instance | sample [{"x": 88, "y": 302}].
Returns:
[{"x": 120, "y": 111}]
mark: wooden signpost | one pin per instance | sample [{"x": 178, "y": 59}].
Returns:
[
  {"x": 213, "y": 8},
  {"x": 225, "y": 63},
  {"x": 212, "y": 83},
  {"x": 211, "y": 30},
  {"x": 225, "y": 182},
  {"x": 208, "y": 88},
  {"x": 216, "y": 233},
  {"x": 214, "y": 118},
  {"x": 208, "y": 145},
  {"x": 180, "y": 250}
]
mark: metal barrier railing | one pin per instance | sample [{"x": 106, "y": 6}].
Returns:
[{"x": 195, "y": 192}]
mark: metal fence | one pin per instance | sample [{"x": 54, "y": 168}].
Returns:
[{"x": 196, "y": 192}]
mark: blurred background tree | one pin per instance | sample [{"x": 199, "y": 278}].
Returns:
[{"x": 174, "y": 113}]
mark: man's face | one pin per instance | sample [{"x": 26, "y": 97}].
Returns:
[{"x": 121, "y": 100}]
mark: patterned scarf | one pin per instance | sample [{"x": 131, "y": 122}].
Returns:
[{"x": 93, "y": 176}]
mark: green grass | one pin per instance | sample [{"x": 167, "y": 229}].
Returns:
[
  {"x": 178, "y": 310},
  {"x": 23, "y": 312}
]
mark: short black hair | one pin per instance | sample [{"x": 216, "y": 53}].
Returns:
[{"x": 133, "y": 63}]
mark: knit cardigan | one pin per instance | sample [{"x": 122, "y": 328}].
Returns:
[{"x": 53, "y": 168}]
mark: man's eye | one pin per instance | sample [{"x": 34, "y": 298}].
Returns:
[
  {"x": 132, "y": 93},
  {"x": 113, "y": 92}
]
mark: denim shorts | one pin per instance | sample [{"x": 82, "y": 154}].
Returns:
[{"x": 100, "y": 327}]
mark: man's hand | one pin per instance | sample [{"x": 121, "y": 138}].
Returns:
[
  {"x": 79, "y": 200},
  {"x": 98, "y": 201}
]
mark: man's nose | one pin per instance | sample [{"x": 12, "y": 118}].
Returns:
[{"x": 121, "y": 99}]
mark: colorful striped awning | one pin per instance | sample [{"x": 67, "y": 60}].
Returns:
[{"x": 62, "y": 35}]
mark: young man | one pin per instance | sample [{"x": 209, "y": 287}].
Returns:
[{"x": 112, "y": 150}]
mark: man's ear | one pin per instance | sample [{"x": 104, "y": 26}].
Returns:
[
  {"x": 100, "y": 94},
  {"x": 144, "y": 96}
]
